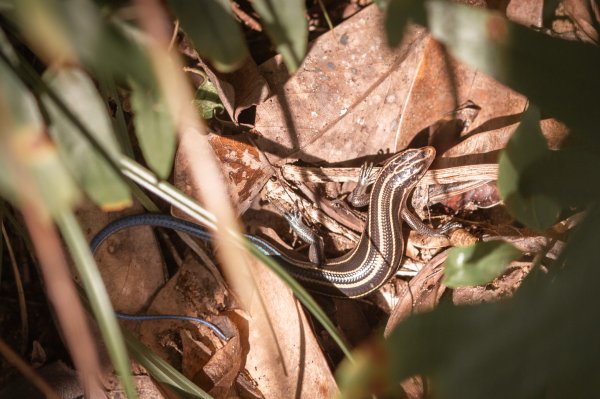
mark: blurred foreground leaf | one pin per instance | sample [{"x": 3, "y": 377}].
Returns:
[
  {"x": 540, "y": 343},
  {"x": 154, "y": 129},
  {"x": 213, "y": 31},
  {"x": 285, "y": 23},
  {"x": 24, "y": 148},
  {"x": 79, "y": 32},
  {"x": 477, "y": 264},
  {"x": 526, "y": 146},
  {"x": 559, "y": 76},
  {"x": 99, "y": 180},
  {"x": 569, "y": 176},
  {"x": 399, "y": 12}
]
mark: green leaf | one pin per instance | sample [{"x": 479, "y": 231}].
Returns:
[
  {"x": 80, "y": 29},
  {"x": 565, "y": 176},
  {"x": 154, "y": 129},
  {"x": 399, "y": 12},
  {"x": 212, "y": 29},
  {"x": 285, "y": 23},
  {"x": 557, "y": 75},
  {"x": 542, "y": 339},
  {"x": 207, "y": 100},
  {"x": 526, "y": 146},
  {"x": 24, "y": 149},
  {"x": 477, "y": 264},
  {"x": 100, "y": 181}
]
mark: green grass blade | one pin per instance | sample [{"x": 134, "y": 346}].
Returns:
[
  {"x": 162, "y": 371},
  {"x": 98, "y": 298},
  {"x": 303, "y": 296}
]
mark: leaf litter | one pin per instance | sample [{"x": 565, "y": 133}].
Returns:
[{"x": 352, "y": 98}]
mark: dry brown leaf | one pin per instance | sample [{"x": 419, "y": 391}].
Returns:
[
  {"x": 130, "y": 262},
  {"x": 348, "y": 97},
  {"x": 353, "y": 96},
  {"x": 586, "y": 16},
  {"x": 218, "y": 373},
  {"x": 526, "y": 12},
  {"x": 244, "y": 168},
  {"x": 293, "y": 366},
  {"x": 202, "y": 356},
  {"x": 421, "y": 294},
  {"x": 237, "y": 90},
  {"x": 144, "y": 385}
]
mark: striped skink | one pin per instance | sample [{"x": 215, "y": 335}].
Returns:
[{"x": 375, "y": 258}]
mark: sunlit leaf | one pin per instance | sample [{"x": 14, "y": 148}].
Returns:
[
  {"x": 557, "y": 75},
  {"x": 285, "y": 23},
  {"x": 207, "y": 100},
  {"x": 100, "y": 181},
  {"x": 477, "y": 264},
  {"x": 527, "y": 145},
  {"x": 154, "y": 129},
  {"x": 212, "y": 29}
]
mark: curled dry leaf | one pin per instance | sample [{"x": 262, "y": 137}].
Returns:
[{"x": 237, "y": 90}]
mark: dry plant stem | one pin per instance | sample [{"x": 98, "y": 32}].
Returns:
[
  {"x": 25, "y": 369},
  {"x": 339, "y": 212},
  {"x": 193, "y": 141},
  {"x": 20, "y": 291},
  {"x": 244, "y": 17},
  {"x": 205, "y": 174},
  {"x": 326, "y": 15},
  {"x": 63, "y": 296},
  {"x": 173, "y": 36},
  {"x": 297, "y": 174}
]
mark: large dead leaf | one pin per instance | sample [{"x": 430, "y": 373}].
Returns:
[
  {"x": 354, "y": 96},
  {"x": 296, "y": 366}
]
